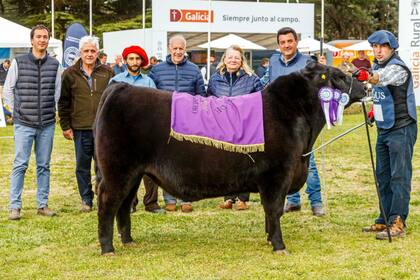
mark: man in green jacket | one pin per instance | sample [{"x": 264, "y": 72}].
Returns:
[{"x": 82, "y": 87}]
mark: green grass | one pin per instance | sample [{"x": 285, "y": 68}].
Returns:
[{"x": 211, "y": 243}]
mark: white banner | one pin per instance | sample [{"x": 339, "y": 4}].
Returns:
[
  {"x": 232, "y": 17},
  {"x": 409, "y": 40},
  {"x": 2, "y": 118}
]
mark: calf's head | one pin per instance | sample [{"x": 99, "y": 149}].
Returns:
[{"x": 326, "y": 76}]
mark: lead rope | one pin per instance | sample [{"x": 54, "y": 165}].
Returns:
[{"x": 381, "y": 208}]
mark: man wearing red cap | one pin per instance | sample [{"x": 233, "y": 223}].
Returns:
[{"x": 136, "y": 58}]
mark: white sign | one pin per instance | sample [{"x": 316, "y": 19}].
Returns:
[
  {"x": 409, "y": 40},
  {"x": 232, "y": 17},
  {"x": 2, "y": 118}
]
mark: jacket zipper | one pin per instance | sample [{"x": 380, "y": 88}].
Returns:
[
  {"x": 39, "y": 93},
  {"x": 230, "y": 84},
  {"x": 176, "y": 77}
]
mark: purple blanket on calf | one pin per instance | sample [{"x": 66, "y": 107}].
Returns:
[{"x": 229, "y": 123}]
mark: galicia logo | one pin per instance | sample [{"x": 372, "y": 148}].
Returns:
[
  {"x": 190, "y": 15},
  {"x": 175, "y": 15},
  {"x": 70, "y": 55}
]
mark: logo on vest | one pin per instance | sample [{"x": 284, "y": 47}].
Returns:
[{"x": 378, "y": 94}]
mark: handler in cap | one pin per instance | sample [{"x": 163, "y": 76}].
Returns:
[
  {"x": 136, "y": 58},
  {"x": 396, "y": 120}
]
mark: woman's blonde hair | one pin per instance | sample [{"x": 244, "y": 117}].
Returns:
[{"x": 221, "y": 67}]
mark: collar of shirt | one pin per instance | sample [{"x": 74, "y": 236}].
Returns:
[
  {"x": 283, "y": 59},
  {"x": 127, "y": 75}
]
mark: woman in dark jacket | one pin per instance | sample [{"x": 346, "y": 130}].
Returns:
[{"x": 233, "y": 77}]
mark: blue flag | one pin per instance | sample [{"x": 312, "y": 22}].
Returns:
[{"x": 71, "y": 44}]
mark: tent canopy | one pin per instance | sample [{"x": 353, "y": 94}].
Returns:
[
  {"x": 312, "y": 45},
  {"x": 229, "y": 40},
  {"x": 361, "y": 46},
  {"x": 14, "y": 35}
]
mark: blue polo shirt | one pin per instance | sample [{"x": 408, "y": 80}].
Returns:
[{"x": 141, "y": 80}]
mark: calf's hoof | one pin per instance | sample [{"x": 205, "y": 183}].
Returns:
[
  {"x": 129, "y": 244},
  {"x": 108, "y": 254},
  {"x": 283, "y": 252}
]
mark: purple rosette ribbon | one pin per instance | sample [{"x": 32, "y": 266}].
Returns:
[
  {"x": 333, "y": 102},
  {"x": 326, "y": 95}
]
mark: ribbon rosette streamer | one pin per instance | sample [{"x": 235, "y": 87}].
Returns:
[{"x": 333, "y": 102}]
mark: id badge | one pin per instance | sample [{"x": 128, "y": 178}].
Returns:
[{"x": 377, "y": 109}]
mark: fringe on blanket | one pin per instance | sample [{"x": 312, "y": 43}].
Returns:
[{"x": 243, "y": 149}]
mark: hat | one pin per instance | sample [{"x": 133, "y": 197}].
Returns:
[
  {"x": 138, "y": 50},
  {"x": 383, "y": 37}
]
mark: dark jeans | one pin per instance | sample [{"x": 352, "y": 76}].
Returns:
[
  {"x": 394, "y": 153},
  {"x": 313, "y": 187},
  {"x": 84, "y": 148},
  {"x": 150, "y": 199},
  {"x": 240, "y": 196}
]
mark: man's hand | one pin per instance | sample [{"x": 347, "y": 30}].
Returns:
[
  {"x": 322, "y": 60},
  {"x": 68, "y": 134},
  {"x": 374, "y": 78}
]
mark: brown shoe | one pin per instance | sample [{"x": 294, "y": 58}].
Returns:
[
  {"x": 374, "y": 228},
  {"x": 396, "y": 230},
  {"x": 227, "y": 204},
  {"x": 154, "y": 208},
  {"x": 170, "y": 207},
  {"x": 85, "y": 207},
  {"x": 46, "y": 212},
  {"x": 318, "y": 211},
  {"x": 291, "y": 207},
  {"x": 241, "y": 205},
  {"x": 186, "y": 208},
  {"x": 14, "y": 214}
]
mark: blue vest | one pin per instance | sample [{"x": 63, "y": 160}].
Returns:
[
  {"x": 279, "y": 68},
  {"x": 34, "y": 90},
  {"x": 383, "y": 100}
]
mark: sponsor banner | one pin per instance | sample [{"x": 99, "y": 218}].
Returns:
[
  {"x": 232, "y": 17},
  {"x": 71, "y": 44},
  {"x": 409, "y": 40},
  {"x": 2, "y": 117}
]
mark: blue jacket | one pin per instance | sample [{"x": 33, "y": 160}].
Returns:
[
  {"x": 182, "y": 77},
  {"x": 219, "y": 86}
]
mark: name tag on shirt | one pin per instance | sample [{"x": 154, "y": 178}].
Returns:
[{"x": 377, "y": 109}]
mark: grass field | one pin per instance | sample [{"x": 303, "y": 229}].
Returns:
[{"x": 211, "y": 243}]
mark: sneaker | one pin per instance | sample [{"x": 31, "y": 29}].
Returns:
[
  {"x": 85, "y": 207},
  {"x": 170, "y": 207},
  {"x": 241, "y": 205},
  {"x": 318, "y": 211},
  {"x": 396, "y": 230},
  {"x": 291, "y": 207},
  {"x": 227, "y": 204},
  {"x": 374, "y": 228},
  {"x": 14, "y": 214},
  {"x": 45, "y": 211},
  {"x": 186, "y": 208}
]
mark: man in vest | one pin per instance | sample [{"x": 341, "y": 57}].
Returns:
[
  {"x": 81, "y": 91},
  {"x": 287, "y": 61},
  {"x": 396, "y": 120},
  {"x": 31, "y": 91}
]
